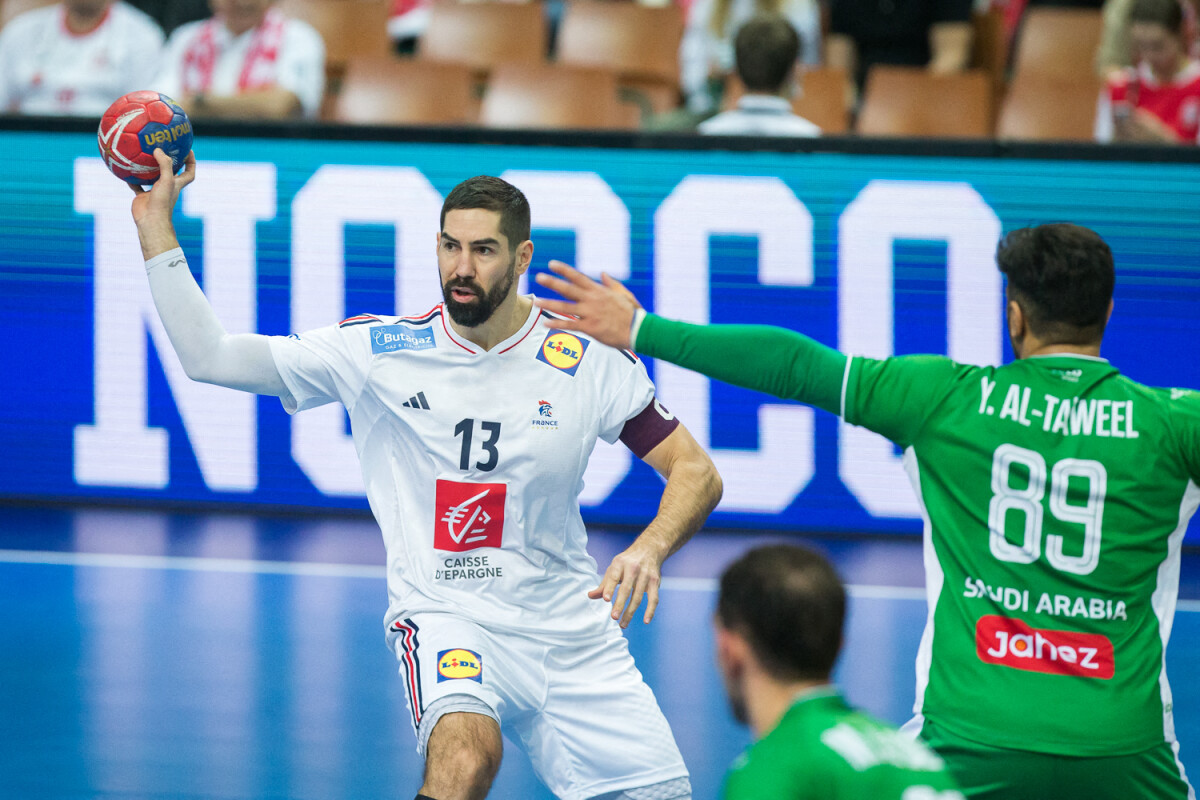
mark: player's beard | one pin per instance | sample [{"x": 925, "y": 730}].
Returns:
[
  {"x": 737, "y": 699},
  {"x": 480, "y": 310}
]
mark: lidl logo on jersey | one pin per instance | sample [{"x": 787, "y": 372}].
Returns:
[
  {"x": 390, "y": 338},
  {"x": 460, "y": 664},
  {"x": 563, "y": 351},
  {"x": 468, "y": 515},
  {"x": 1012, "y": 643}
]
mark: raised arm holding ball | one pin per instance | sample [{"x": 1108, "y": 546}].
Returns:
[{"x": 474, "y": 426}]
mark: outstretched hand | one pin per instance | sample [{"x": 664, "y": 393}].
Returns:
[
  {"x": 152, "y": 207},
  {"x": 603, "y": 310},
  {"x": 632, "y": 575}
]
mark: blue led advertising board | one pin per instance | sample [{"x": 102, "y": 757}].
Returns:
[{"x": 875, "y": 254}]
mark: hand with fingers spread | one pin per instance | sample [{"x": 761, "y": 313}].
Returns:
[
  {"x": 152, "y": 208},
  {"x": 604, "y": 310},
  {"x": 632, "y": 575}
]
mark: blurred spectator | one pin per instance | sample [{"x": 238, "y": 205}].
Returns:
[
  {"x": 170, "y": 14},
  {"x": 933, "y": 33},
  {"x": 1157, "y": 99},
  {"x": 1116, "y": 49},
  {"x": 406, "y": 22},
  {"x": 766, "y": 50},
  {"x": 76, "y": 57},
  {"x": 706, "y": 52},
  {"x": 247, "y": 61}
]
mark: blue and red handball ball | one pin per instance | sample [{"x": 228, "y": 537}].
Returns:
[{"x": 136, "y": 124}]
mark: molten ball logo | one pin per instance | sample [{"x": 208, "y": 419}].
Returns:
[{"x": 134, "y": 126}]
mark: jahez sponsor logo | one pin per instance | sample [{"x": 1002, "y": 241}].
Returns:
[
  {"x": 1000, "y": 640},
  {"x": 469, "y": 515}
]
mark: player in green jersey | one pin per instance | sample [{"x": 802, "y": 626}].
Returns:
[
  {"x": 1056, "y": 493},
  {"x": 778, "y": 631}
]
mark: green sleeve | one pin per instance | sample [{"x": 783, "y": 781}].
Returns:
[
  {"x": 895, "y": 396},
  {"x": 1184, "y": 417},
  {"x": 777, "y": 361}
]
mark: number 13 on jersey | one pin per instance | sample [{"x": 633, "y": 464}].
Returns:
[{"x": 488, "y": 445}]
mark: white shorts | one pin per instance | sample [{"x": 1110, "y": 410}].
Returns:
[{"x": 581, "y": 712}]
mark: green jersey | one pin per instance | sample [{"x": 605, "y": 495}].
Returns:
[
  {"x": 1055, "y": 494},
  {"x": 824, "y": 750}
]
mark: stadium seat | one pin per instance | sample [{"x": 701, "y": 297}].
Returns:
[
  {"x": 350, "y": 28},
  {"x": 386, "y": 90},
  {"x": 639, "y": 43},
  {"x": 1042, "y": 108},
  {"x": 554, "y": 96},
  {"x": 12, "y": 8},
  {"x": 911, "y": 101},
  {"x": 822, "y": 100},
  {"x": 485, "y": 35},
  {"x": 1057, "y": 42}
]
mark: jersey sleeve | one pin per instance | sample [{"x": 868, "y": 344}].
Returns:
[
  {"x": 8, "y": 53},
  {"x": 777, "y": 361},
  {"x": 169, "y": 79},
  {"x": 894, "y": 396},
  {"x": 1185, "y": 418},
  {"x": 143, "y": 59},
  {"x": 302, "y": 66},
  {"x": 322, "y": 366},
  {"x": 625, "y": 390}
]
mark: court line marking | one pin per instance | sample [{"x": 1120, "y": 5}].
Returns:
[{"x": 377, "y": 572}]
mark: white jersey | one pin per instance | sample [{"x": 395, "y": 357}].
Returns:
[
  {"x": 473, "y": 460},
  {"x": 299, "y": 65},
  {"x": 46, "y": 69}
]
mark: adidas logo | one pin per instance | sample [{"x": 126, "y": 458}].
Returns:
[{"x": 416, "y": 401}]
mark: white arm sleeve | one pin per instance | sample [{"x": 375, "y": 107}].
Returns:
[{"x": 208, "y": 354}]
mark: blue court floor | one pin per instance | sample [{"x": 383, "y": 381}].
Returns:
[{"x": 152, "y": 655}]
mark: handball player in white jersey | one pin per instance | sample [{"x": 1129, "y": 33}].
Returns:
[{"x": 474, "y": 423}]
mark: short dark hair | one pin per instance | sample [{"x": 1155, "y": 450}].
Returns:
[
  {"x": 492, "y": 194},
  {"x": 1168, "y": 13},
  {"x": 1062, "y": 276},
  {"x": 789, "y": 604},
  {"x": 765, "y": 49}
]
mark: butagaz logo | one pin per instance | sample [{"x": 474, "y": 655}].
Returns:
[
  {"x": 563, "y": 351},
  {"x": 469, "y": 515},
  {"x": 1012, "y": 643},
  {"x": 460, "y": 664},
  {"x": 390, "y": 338}
]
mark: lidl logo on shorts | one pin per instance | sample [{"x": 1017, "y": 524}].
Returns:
[
  {"x": 563, "y": 351},
  {"x": 390, "y": 338},
  {"x": 459, "y": 664},
  {"x": 1012, "y": 643}
]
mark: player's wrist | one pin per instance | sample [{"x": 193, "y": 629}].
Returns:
[
  {"x": 157, "y": 244},
  {"x": 165, "y": 257},
  {"x": 635, "y": 325}
]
